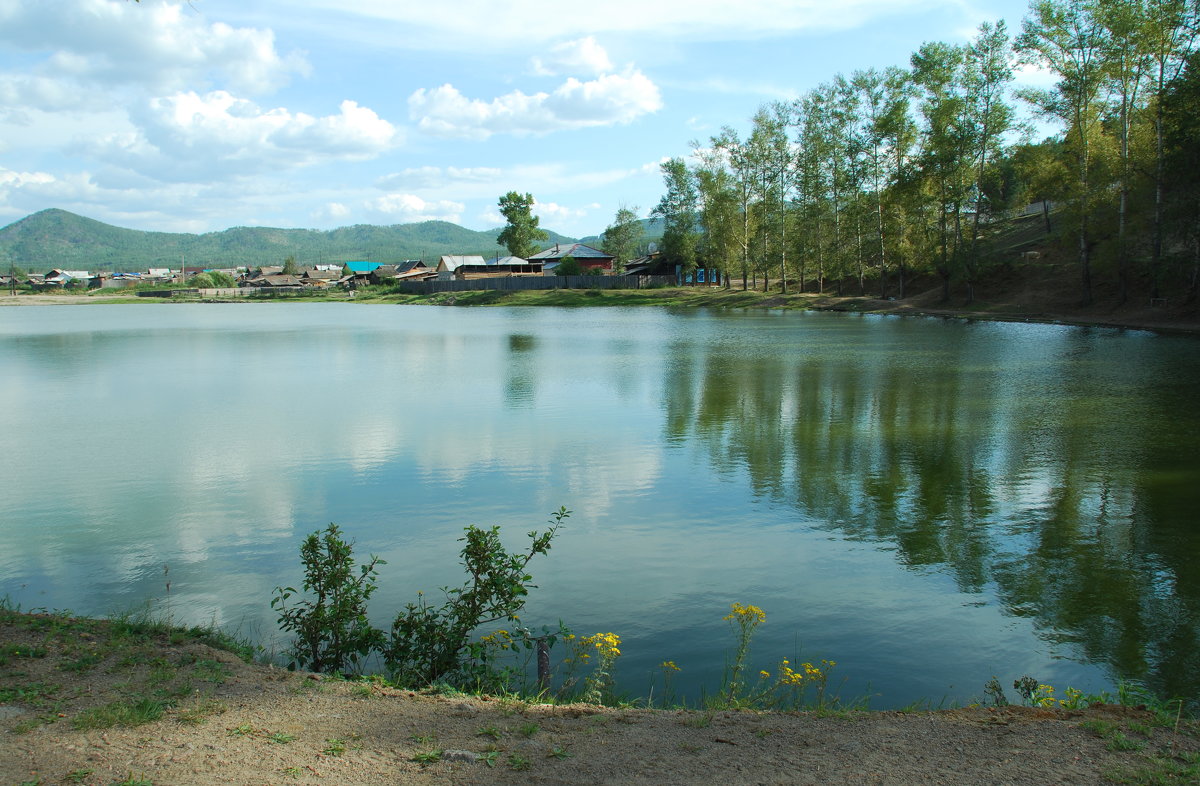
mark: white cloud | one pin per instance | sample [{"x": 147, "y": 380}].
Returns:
[
  {"x": 582, "y": 56},
  {"x": 10, "y": 180},
  {"x": 516, "y": 26},
  {"x": 1035, "y": 76},
  {"x": 333, "y": 211},
  {"x": 21, "y": 95},
  {"x": 22, "y": 193},
  {"x": 438, "y": 177},
  {"x": 405, "y": 208},
  {"x": 156, "y": 46},
  {"x": 740, "y": 87},
  {"x": 608, "y": 100},
  {"x": 189, "y": 136},
  {"x": 556, "y": 211}
]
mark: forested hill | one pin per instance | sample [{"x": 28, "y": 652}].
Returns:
[{"x": 59, "y": 239}]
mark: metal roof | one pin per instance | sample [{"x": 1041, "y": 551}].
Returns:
[
  {"x": 450, "y": 261},
  {"x": 576, "y": 250}
]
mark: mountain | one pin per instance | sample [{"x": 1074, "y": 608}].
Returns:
[
  {"x": 652, "y": 230},
  {"x": 59, "y": 239}
]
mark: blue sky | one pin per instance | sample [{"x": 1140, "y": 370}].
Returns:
[{"x": 200, "y": 116}]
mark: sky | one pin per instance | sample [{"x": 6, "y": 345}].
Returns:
[{"x": 204, "y": 115}]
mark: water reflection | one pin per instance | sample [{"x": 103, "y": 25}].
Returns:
[
  {"x": 1062, "y": 470},
  {"x": 927, "y": 502},
  {"x": 520, "y": 383}
]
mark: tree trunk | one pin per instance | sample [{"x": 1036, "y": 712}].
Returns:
[
  {"x": 1192, "y": 290},
  {"x": 1159, "y": 174}
]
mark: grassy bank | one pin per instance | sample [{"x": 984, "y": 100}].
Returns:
[
  {"x": 1043, "y": 292},
  {"x": 133, "y": 701}
]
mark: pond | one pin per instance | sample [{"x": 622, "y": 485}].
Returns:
[{"x": 927, "y": 502}]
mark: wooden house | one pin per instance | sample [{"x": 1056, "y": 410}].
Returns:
[
  {"x": 588, "y": 258},
  {"x": 312, "y": 277},
  {"x": 500, "y": 267},
  {"x": 449, "y": 263}
]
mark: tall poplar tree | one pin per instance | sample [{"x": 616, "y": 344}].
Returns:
[
  {"x": 1066, "y": 37},
  {"x": 936, "y": 70},
  {"x": 1126, "y": 66},
  {"x": 622, "y": 237},
  {"x": 1170, "y": 29},
  {"x": 737, "y": 156},
  {"x": 678, "y": 208},
  {"x": 521, "y": 234},
  {"x": 720, "y": 222},
  {"x": 987, "y": 71}
]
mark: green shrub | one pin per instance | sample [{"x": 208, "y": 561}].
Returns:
[
  {"x": 211, "y": 279},
  {"x": 332, "y": 630},
  {"x": 429, "y": 643},
  {"x": 568, "y": 266}
]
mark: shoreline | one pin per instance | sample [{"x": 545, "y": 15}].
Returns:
[
  {"x": 1156, "y": 320},
  {"x": 93, "y": 701}
]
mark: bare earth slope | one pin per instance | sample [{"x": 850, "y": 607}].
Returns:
[{"x": 62, "y": 681}]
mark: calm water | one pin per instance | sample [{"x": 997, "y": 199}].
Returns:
[{"x": 929, "y": 503}]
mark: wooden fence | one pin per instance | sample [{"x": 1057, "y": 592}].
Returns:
[{"x": 521, "y": 283}]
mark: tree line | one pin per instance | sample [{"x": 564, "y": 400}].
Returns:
[{"x": 872, "y": 179}]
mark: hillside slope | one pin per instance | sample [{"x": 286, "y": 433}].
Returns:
[{"x": 60, "y": 239}]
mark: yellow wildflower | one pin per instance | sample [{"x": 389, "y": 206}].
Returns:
[{"x": 748, "y": 614}]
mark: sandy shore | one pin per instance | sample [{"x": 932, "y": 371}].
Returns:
[{"x": 230, "y": 722}]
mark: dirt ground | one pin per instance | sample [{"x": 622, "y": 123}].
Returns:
[{"x": 231, "y": 722}]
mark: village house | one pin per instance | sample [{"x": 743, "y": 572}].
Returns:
[
  {"x": 315, "y": 277},
  {"x": 589, "y": 258},
  {"x": 651, "y": 264},
  {"x": 58, "y": 279},
  {"x": 448, "y": 263},
  {"x": 409, "y": 270},
  {"x": 414, "y": 269},
  {"x": 500, "y": 267}
]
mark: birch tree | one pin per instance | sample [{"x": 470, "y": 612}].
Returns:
[
  {"x": 1066, "y": 37},
  {"x": 677, "y": 208},
  {"x": 987, "y": 72}
]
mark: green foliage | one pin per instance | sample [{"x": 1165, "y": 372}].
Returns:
[
  {"x": 211, "y": 279},
  {"x": 678, "y": 210},
  {"x": 521, "y": 234},
  {"x": 132, "y": 712},
  {"x": 433, "y": 643},
  {"x": 133, "y": 780},
  {"x": 995, "y": 692},
  {"x": 568, "y": 266},
  {"x": 622, "y": 237},
  {"x": 332, "y": 630},
  {"x": 290, "y": 268}
]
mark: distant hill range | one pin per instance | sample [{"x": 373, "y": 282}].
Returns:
[{"x": 59, "y": 239}]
